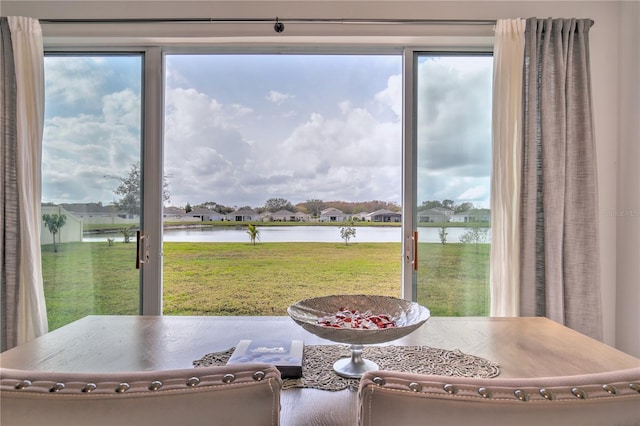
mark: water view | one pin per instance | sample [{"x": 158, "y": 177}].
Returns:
[{"x": 290, "y": 234}]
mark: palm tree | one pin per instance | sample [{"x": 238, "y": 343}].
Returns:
[{"x": 254, "y": 233}]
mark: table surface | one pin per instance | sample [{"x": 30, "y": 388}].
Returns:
[{"x": 522, "y": 347}]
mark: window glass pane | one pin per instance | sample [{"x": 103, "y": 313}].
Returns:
[
  {"x": 453, "y": 183},
  {"x": 90, "y": 185},
  {"x": 275, "y": 141}
]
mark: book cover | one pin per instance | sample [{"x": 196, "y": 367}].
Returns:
[{"x": 285, "y": 355}]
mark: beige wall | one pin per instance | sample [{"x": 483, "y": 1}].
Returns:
[{"x": 614, "y": 56}]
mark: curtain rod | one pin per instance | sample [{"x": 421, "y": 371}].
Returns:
[{"x": 276, "y": 20}]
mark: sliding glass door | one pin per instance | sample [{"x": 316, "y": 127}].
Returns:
[
  {"x": 263, "y": 177},
  {"x": 285, "y": 180},
  {"x": 451, "y": 182},
  {"x": 91, "y": 185}
]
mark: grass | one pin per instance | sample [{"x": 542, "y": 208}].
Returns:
[
  {"x": 262, "y": 279},
  {"x": 453, "y": 279}
]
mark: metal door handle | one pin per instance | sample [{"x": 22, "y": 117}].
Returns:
[{"x": 142, "y": 249}]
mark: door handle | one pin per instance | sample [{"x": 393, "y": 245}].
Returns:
[
  {"x": 415, "y": 250},
  {"x": 142, "y": 249},
  {"x": 411, "y": 250}
]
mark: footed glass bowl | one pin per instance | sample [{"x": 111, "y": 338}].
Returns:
[{"x": 310, "y": 313}]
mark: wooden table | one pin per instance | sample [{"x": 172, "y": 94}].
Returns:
[{"x": 523, "y": 347}]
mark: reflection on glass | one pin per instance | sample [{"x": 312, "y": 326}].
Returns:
[
  {"x": 90, "y": 185},
  {"x": 453, "y": 183}
]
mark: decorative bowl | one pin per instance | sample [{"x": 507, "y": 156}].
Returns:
[{"x": 407, "y": 317}]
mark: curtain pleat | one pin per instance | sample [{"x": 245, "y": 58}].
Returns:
[
  {"x": 23, "y": 306},
  {"x": 10, "y": 220},
  {"x": 28, "y": 53},
  {"x": 560, "y": 275},
  {"x": 507, "y": 168}
]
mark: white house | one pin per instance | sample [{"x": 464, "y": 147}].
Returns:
[
  {"x": 332, "y": 215},
  {"x": 435, "y": 215},
  {"x": 282, "y": 216},
  {"x": 384, "y": 215},
  {"x": 205, "y": 215},
  {"x": 243, "y": 215}
]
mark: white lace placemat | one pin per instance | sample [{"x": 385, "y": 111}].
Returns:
[{"x": 317, "y": 364}]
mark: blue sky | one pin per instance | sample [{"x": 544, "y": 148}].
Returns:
[{"x": 240, "y": 129}]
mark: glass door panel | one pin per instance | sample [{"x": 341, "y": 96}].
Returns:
[
  {"x": 91, "y": 185},
  {"x": 306, "y": 149},
  {"x": 453, "y": 175}
]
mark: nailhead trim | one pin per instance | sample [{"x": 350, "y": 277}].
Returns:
[
  {"x": 89, "y": 387},
  {"x": 518, "y": 393},
  {"x": 579, "y": 393},
  {"x": 484, "y": 392},
  {"x": 521, "y": 395},
  {"x": 156, "y": 384},
  {"x": 546, "y": 394},
  {"x": 57, "y": 387},
  {"x": 23, "y": 384},
  {"x": 193, "y": 381},
  {"x": 123, "y": 387},
  {"x": 378, "y": 381},
  {"x": 416, "y": 387}
]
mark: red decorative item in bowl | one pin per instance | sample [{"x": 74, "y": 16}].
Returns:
[{"x": 358, "y": 320}]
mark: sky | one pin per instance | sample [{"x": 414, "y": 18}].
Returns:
[{"x": 240, "y": 129}]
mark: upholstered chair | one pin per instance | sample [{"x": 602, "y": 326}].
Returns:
[
  {"x": 227, "y": 395},
  {"x": 393, "y": 398}
]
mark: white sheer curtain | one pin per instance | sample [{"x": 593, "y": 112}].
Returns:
[
  {"x": 507, "y": 167},
  {"x": 28, "y": 52}
]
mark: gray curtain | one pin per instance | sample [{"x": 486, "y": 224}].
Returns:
[
  {"x": 560, "y": 274},
  {"x": 10, "y": 217}
]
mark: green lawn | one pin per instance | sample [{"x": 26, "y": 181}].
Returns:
[{"x": 262, "y": 279}]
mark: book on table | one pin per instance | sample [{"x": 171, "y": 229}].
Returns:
[{"x": 285, "y": 355}]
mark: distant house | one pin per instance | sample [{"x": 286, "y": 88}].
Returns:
[
  {"x": 243, "y": 215},
  {"x": 384, "y": 215},
  {"x": 302, "y": 217},
  {"x": 97, "y": 213},
  {"x": 173, "y": 214},
  {"x": 360, "y": 216},
  {"x": 286, "y": 216},
  {"x": 476, "y": 215},
  {"x": 332, "y": 215},
  {"x": 205, "y": 215},
  {"x": 435, "y": 215},
  {"x": 283, "y": 216}
]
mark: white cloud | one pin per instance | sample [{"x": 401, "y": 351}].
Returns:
[
  {"x": 122, "y": 108},
  {"x": 235, "y": 151},
  {"x": 78, "y": 152},
  {"x": 278, "y": 97},
  {"x": 477, "y": 193},
  {"x": 79, "y": 80},
  {"x": 454, "y": 128},
  {"x": 391, "y": 96}
]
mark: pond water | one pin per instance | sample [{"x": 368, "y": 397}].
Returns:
[{"x": 305, "y": 234}]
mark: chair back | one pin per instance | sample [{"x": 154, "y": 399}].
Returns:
[
  {"x": 223, "y": 395},
  {"x": 611, "y": 398}
]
